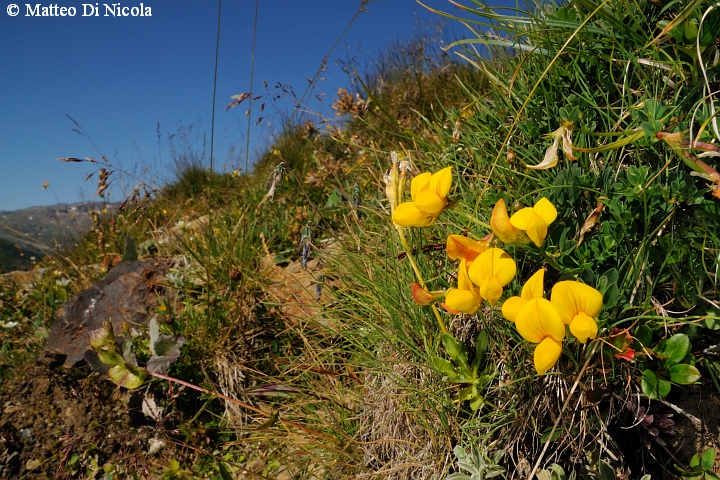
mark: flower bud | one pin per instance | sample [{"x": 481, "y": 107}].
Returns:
[{"x": 426, "y": 297}]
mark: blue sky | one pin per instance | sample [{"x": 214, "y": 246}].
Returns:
[{"x": 120, "y": 78}]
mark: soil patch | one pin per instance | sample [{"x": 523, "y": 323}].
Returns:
[{"x": 56, "y": 422}]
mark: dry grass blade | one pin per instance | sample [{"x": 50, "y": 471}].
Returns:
[{"x": 237, "y": 100}]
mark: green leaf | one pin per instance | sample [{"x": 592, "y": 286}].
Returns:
[
  {"x": 130, "y": 250},
  {"x": 654, "y": 387},
  {"x": 674, "y": 349},
  {"x": 713, "y": 323},
  {"x": 546, "y": 435},
  {"x": 224, "y": 474},
  {"x": 103, "y": 338},
  {"x": 606, "y": 471},
  {"x": 707, "y": 461},
  {"x": 482, "y": 343},
  {"x": 467, "y": 393},
  {"x": 128, "y": 354},
  {"x": 476, "y": 404},
  {"x": 444, "y": 366},
  {"x": 684, "y": 374},
  {"x": 644, "y": 335},
  {"x": 455, "y": 350},
  {"x": 333, "y": 200},
  {"x": 126, "y": 376},
  {"x": 167, "y": 351},
  {"x": 610, "y": 296},
  {"x": 168, "y": 345},
  {"x": 109, "y": 357}
]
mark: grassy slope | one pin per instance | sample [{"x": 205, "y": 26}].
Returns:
[{"x": 357, "y": 381}]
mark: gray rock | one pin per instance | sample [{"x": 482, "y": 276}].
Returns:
[{"x": 127, "y": 296}]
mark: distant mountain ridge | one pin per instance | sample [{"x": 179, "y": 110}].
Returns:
[{"x": 28, "y": 234}]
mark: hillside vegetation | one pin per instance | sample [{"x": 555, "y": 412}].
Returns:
[{"x": 501, "y": 263}]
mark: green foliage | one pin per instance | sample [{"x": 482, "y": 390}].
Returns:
[
  {"x": 476, "y": 465},
  {"x": 554, "y": 472},
  {"x": 701, "y": 467},
  {"x": 121, "y": 364},
  {"x": 670, "y": 353},
  {"x": 475, "y": 376},
  {"x": 198, "y": 184}
]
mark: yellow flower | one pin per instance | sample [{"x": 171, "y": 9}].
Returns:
[
  {"x": 535, "y": 220},
  {"x": 539, "y": 322},
  {"x": 460, "y": 247},
  {"x": 577, "y": 304},
  {"x": 429, "y": 197},
  {"x": 533, "y": 288},
  {"x": 466, "y": 298},
  {"x": 501, "y": 226},
  {"x": 491, "y": 271}
]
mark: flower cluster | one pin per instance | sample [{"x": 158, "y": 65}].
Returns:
[
  {"x": 484, "y": 270},
  {"x": 543, "y": 321},
  {"x": 527, "y": 224},
  {"x": 482, "y": 274},
  {"x": 429, "y": 197}
]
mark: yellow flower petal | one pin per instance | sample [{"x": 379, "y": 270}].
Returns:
[
  {"x": 583, "y": 327},
  {"x": 570, "y": 298},
  {"x": 459, "y": 247},
  {"x": 537, "y": 230},
  {"x": 533, "y": 224},
  {"x": 491, "y": 270},
  {"x": 464, "y": 301},
  {"x": 441, "y": 181},
  {"x": 429, "y": 202},
  {"x": 546, "y": 210},
  {"x": 538, "y": 319},
  {"x": 408, "y": 215},
  {"x": 547, "y": 354},
  {"x": 535, "y": 220},
  {"x": 522, "y": 218},
  {"x": 501, "y": 226},
  {"x": 464, "y": 281},
  {"x": 512, "y": 306},
  {"x": 491, "y": 290},
  {"x": 533, "y": 288},
  {"x": 466, "y": 298},
  {"x": 419, "y": 183}
]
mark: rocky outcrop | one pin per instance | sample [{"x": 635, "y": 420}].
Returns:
[{"x": 127, "y": 296}]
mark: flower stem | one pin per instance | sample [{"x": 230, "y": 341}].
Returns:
[
  {"x": 565, "y": 406},
  {"x": 418, "y": 275},
  {"x": 551, "y": 261}
]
